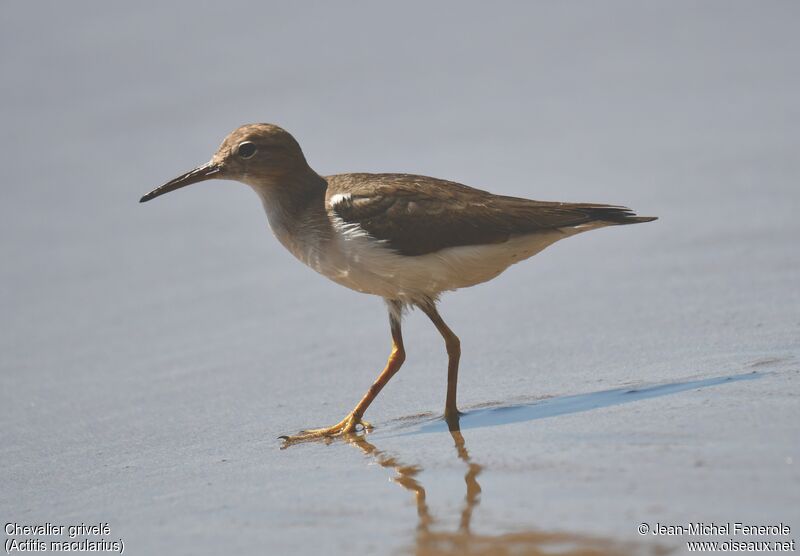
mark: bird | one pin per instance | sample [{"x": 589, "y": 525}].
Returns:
[{"x": 403, "y": 237}]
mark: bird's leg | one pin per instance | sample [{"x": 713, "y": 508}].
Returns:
[
  {"x": 353, "y": 419},
  {"x": 453, "y": 344}
]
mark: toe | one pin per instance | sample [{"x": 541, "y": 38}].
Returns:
[{"x": 346, "y": 426}]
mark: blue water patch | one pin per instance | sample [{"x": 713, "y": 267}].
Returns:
[{"x": 563, "y": 405}]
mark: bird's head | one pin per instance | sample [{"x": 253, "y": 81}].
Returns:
[{"x": 255, "y": 154}]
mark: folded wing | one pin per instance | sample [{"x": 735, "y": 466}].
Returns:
[{"x": 416, "y": 215}]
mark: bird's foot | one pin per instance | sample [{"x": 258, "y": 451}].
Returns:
[{"x": 347, "y": 426}]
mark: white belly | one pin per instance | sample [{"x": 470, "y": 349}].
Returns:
[
  {"x": 353, "y": 259},
  {"x": 368, "y": 266},
  {"x": 347, "y": 255}
]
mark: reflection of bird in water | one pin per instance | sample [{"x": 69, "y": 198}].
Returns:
[{"x": 433, "y": 542}]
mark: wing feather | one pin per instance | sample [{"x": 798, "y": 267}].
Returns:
[{"x": 416, "y": 215}]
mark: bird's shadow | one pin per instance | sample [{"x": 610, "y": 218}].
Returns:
[{"x": 552, "y": 407}]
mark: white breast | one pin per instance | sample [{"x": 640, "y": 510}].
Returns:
[
  {"x": 348, "y": 255},
  {"x": 355, "y": 260}
]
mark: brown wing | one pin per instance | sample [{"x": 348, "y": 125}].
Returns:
[{"x": 416, "y": 215}]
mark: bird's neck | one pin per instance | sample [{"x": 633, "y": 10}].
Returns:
[{"x": 295, "y": 206}]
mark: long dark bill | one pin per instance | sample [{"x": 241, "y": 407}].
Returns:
[{"x": 201, "y": 173}]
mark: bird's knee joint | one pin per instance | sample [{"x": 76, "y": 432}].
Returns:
[
  {"x": 453, "y": 345},
  {"x": 398, "y": 355}
]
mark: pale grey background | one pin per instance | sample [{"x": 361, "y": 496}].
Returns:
[{"x": 152, "y": 353}]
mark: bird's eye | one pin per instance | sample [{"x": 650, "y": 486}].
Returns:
[{"x": 246, "y": 150}]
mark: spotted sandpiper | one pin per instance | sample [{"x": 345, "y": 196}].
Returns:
[{"x": 403, "y": 237}]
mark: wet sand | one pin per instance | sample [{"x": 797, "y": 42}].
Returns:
[{"x": 153, "y": 354}]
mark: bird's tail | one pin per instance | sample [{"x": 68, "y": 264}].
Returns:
[
  {"x": 615, "y": 214},
  {"x": 637, "y": 219}
]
